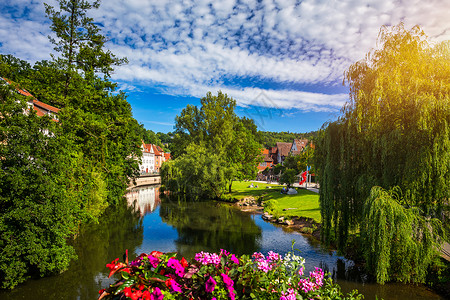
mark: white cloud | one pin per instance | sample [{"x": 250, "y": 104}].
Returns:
[{"x": 188, "y": 47}]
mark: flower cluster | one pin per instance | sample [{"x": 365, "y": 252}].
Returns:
[
  {"x": 211, "y": 276},
  {"x": 206, "y": 258},
  {"x": 313, "y": 282}
]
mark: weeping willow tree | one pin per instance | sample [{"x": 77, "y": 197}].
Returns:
[
  {"x": 394, "y": 131},
  {"x": 399, "y": 243}
]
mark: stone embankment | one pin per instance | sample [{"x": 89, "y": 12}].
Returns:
[{"x": 146, "y": 180}]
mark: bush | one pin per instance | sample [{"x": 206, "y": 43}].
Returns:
[{"x": 220, "y": 276}]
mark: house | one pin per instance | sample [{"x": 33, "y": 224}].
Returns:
[
  {"x": 283, "y": 150},
  {"x": 273, "y": 153},
  {"x": 298, "y": 146},
  {"x": 159, "y": 157},
  {"x": 267, "y": 160},
  {"x": 41, "y": 108},
  {"x": 166, "y": 156},
  {"x": 147, "y": 164}
]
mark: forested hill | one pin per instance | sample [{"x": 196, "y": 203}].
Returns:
[{"x": 270, "y": 138}]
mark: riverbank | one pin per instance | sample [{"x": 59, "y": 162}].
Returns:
[{"x": 300, "y": 211}]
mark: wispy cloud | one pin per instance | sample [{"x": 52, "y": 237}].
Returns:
[
  {"x": 159, "y": 123},
  {"x": 188, "y": 47}
]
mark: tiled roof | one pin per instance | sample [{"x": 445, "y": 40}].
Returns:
[
  {"x": 157, "y": 152},
  {"x": 301, "y": 143},
  {"x": 167, "y": 156},
  {"x": 46, "y": 106},
  {"x": 41, "y": 108},
  {"x": 284, "y": 148}
]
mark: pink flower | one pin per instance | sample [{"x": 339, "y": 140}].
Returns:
[
  {"x": 227, "y": 280},
  {"x": 234, "y": 259},
  {"x": 175, "y": 264},
  {"x": 258, "y": 256},
  {"x": 206, "y": 258},
  {"x": 174, "y": 286},
  {"x": 290, "y": 294},
  {"x": 300, "y": 271},
  {"x": 153, "y": 261},
  {"x": 264, "y": 266},
  {"x": 210, "y": 284},
  {"x": 156, "y": 295},
  {"x": 273, "y": 256}
]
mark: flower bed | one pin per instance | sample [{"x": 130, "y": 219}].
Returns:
[{"x": 158, "y": 276}]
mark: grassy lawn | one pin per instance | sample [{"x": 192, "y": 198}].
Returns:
[{"x": 305, "y": 203}]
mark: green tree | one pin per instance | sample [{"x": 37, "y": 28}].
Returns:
[
  {"x": 38, "y": 208},
  {"x": 225, "y": 140},
  {"x": 79, "y": 41},
  {"x": 97, "y": 117},
  {"x": 394, "y": 132},
  {"x": 288, "y": 177}
]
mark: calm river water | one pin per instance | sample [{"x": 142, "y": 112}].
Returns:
[{"x": 148, "y": 224}]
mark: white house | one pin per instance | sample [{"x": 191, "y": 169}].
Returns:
[{"x": 148, "y": 159}]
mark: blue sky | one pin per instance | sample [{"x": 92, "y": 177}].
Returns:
[{"x": 282, "y": 61}]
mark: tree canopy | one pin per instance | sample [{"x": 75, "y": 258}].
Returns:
[
  {"x": 58, "y": 175},
  {"x": 212, "y": 146},
  {"x": 394, "y": 132}
]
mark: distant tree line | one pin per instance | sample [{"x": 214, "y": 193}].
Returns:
[
  {"x": 384, "y": 166},
  {"x": 164, "y": 140},
  {"x": 270, "y": 138},
  {"x": 55, "y": 176}
]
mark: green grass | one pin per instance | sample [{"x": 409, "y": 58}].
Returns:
[{"x": 306, "y": 203}]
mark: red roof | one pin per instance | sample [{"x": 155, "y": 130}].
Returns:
[
  {"x": 167, "y": 156},
  {"x": 41, "y": 108},
  {"x": 45, "y": 106},
  {"x": 157, "y": 152}
]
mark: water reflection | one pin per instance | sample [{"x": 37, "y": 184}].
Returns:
[
  {"x": 154, "y": 223},
  {"x": 210, "y": 226},
  {"x": 144, "y": 199},
  {"x": 97, "y": 244}
]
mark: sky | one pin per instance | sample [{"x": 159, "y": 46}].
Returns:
[{"x": 282, "y": 61}]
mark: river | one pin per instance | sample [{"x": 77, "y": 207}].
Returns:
[{"x": 145, "y": 223}]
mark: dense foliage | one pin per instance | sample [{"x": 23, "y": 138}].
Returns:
[
  {"x": 220, "y": 276},
  {"x": 58, "y": 174},
  {"x": 270, "y": 139},
  {"x": 212, "y": 147},
  {"x": 398, "y": 242},
  {"x": 394, "y": 132}
]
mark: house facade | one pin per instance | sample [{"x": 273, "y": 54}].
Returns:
[
  {"x": 283, "y": 150},
  {"x": 298, "y": 146},
  {"x": 267, "y": 160},
  {"x": 152, "y": 158},
  {"x": 148, "y": 159}
]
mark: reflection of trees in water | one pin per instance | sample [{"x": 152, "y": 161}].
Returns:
[
  {"x": 118, "y": 229},
  {"x": 144, "y": 199},
  {"x": 210, "y": 226}
]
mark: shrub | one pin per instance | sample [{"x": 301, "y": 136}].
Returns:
[{"x": 219, "y": 276}]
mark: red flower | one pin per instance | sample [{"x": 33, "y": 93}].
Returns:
[
  {"x": 156, "y": 254},
  {"x": 101, "y": 291},
  {"x": 127, "y": 292},
  {"x": 114, "y": 266},
  {"x": 146, "y": 295},
  {"x": 136, "y": 295},
  {"x": 184, "y": 262}
]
